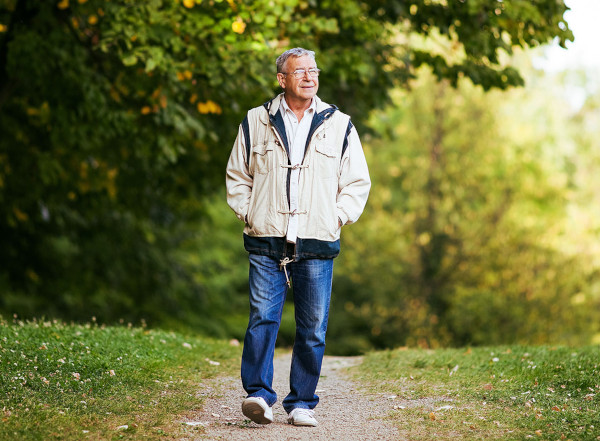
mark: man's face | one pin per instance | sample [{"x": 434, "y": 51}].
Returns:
[{"x": 301, "y": 89}]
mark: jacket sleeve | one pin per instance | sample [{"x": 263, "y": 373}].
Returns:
[
  {"x": 354, "y": 183},
  {"x": 238, "y": 179}
]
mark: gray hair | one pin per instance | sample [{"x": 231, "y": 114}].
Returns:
[{"x": 296, "y": 52}]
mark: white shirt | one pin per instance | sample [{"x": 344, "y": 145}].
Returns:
[{"x": 297, "y": 134}]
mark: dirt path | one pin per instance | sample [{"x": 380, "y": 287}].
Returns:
[{"x": 343, "y": 413}]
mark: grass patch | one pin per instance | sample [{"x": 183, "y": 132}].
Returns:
[
  {"x": 74, "y": 382},
  {"x": 509, "y": 393}
]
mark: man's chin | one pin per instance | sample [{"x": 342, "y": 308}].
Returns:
[{"x": 308, "y": 94}]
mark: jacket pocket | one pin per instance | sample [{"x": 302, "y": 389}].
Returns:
[
  {"x": 262, "y": 158},
  {"x": 326, "y": 163}
]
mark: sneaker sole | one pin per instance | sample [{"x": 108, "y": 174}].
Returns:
[
  {"x": 300, "y": 424},
  {"x": 255, "y": 412}
]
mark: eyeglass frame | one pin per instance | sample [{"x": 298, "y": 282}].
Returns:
[{"x": 313, "y": 72}]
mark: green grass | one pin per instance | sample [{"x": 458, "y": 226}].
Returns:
[
  {"x": 74, "y": 382},
  {"x": 508, "y": 393}
]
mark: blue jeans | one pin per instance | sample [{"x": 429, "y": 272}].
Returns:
[{"x": 312, "y": 293}]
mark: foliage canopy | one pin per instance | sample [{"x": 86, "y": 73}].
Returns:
[{"x": 117, "y": 116}]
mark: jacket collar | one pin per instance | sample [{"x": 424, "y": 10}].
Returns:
[
  {"x": 273, "y": 106},
  {"x": 323, "y": 112}
]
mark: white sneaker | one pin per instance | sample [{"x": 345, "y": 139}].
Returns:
[
  {"x": 257, "y": 409},
  {"x": 302, "y": 417}
]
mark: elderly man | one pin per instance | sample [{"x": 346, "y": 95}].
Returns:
[{"x": 297, "y": 174}]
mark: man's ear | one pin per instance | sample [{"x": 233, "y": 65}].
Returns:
[{"x": 280, "y": 79}]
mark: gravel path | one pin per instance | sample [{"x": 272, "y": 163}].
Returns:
[{"x": 344, "y": 411}]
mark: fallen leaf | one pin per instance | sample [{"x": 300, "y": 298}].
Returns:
[
  {"x": 124, "y": 427},
  {"x": 432, "y": 416},
  {"x": 213, "y": 363}
]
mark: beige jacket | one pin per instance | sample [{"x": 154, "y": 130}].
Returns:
[{"x": 334, "y": 180}]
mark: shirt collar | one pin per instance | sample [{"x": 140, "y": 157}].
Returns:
[{"x": 285, "y": 108}]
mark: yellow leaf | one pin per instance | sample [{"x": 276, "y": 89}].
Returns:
[
  {"x": 63, "y": 4},
  {"x": 432, "y": 416},
  {"x": 20, "y": 215},
  {"x": 188, "y": 3},
  {"x": 146, "y": 110},
  {"x": 214, "y": 107},
  {"x": 75, "y": 22},
  {"x": 209, "y": 107},
  {"x": 3, "y": 28},
  {"x": 180, "y": 76},
  {"x": 32, "y": 275},
  {"x": 115, "y": 95},
  {"x": 112, "y": 173},
  {"x": 193, "y": 98},
  {"x": 187, "y": 74},
  {"x": 238, "y": 26},
  {"x": 92, "y": 19},
  {"x": 82, "y": 1},
  {"x": 156, "y": 93},
  {"x": 163, "y": 101}
]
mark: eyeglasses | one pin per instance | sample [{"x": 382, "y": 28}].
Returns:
[{"x": 314, "y": 72}]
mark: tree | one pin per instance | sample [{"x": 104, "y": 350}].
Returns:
[
  {"x": 117, "y": 116},
  {"x": 467, "y": 236}
]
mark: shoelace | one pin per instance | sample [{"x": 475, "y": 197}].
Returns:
[
  {"x": 299, "y": 410},
  {"x": 294, "y": 167},
  {"x": 282, "y": 265},
  {"x": 293, "y": 212}
]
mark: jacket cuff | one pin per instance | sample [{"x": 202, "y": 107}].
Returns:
[{"x": 342, "y": 216}]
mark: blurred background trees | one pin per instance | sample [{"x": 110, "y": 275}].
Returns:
[
  {"x": 469, "y": 239},
  {"x": 117, "y": 118}
]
